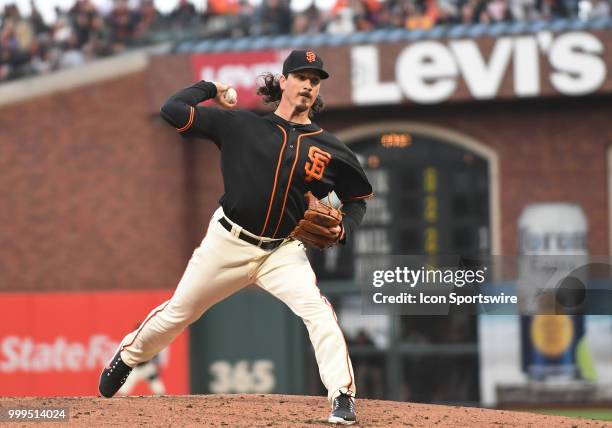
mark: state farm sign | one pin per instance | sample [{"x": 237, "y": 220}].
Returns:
[
  {"x": 26, "y": 354},
  {"x": 430, "y": 72},
  {"x": 54, "y": 344}
]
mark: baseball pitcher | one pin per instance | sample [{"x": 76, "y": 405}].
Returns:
[{"x": 276, "y": 168}]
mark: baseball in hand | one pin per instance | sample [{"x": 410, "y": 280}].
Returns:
[{"x": 231, "y": 96}]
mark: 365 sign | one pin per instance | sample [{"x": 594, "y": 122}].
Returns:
[
  {"x": 242, "y": 377},
  {"x": 430, "y": 72}
]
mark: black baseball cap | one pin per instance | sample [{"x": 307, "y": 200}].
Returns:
[{"x": 304, "y": 60}]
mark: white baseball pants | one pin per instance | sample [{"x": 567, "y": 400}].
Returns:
[{"x": 224, "y": 264}]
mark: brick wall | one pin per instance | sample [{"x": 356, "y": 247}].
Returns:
[{"x": 97, "y": 192}]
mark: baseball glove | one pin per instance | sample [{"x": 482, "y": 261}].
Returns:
[{"x": 315, "y": 229}]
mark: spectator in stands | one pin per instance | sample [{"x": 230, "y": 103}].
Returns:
[
  {"x": 342, "y": 22},
  {"x": 552, "y": 9},
  {"x": 99, "y": 40},
  {"x": 61, "y": 29},
  {"x": 223, "y": 7},
  {"x": 468, "y": 12},
  {"x": 228, "y": 18},
  {"x": 448, "y": 13},
  {"x": 40, "y": 61},
  {"x": 384, "y": 19},
  {"x": 372, "y": 9},
  {"x": 245, "y": 18},
  {"x": 23, "y": 32},
  {"x": 523, "y": 10},
  {"x": 184, "y": 15},
  {"x": 596, "y": 9},
  {"x": 148, "y": 18},
  {"x": 498, "y": 10},
  {"x": 398, "y": 12},
  {"x": 417, "y": 18},
  {"x": 72, "y": 55},
  {"x": 122, "y": 22},
  {"x": 480, "y": 12},
  {"x": 37, "y": 21},
  {"x": 16, "y": 38},
  {"x": 359, "y": 14},
  {"x": 601, "y": 9},
  {"x": 272, "y": 17},
  {"x": 348, "y": 16},
  {"x": 309, "y": 21},
  {"x": 83, "y": 14}
]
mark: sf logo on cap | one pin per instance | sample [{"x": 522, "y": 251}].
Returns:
[{"x": 311, "y": 56}]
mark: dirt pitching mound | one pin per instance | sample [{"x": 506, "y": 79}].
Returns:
[{"x": 274, "y": 410}]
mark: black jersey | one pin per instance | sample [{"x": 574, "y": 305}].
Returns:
[{"x": 269, "y": 163}]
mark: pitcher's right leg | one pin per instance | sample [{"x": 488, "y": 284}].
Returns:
[{"x": 288, "y": 276}]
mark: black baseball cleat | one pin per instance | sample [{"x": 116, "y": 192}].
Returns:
[
  {"x": 113, "y": 376},
  {"x": 343, "y": 410}
]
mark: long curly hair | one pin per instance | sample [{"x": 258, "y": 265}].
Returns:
[{"x": 269, "y": 89}]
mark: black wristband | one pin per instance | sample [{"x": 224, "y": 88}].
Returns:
[{"x": 209, "y": 87}]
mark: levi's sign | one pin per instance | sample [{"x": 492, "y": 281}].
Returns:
[{"x": 430, "y": 72}]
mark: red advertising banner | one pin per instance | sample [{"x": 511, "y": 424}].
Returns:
[
  {"x": 56, "y": 344},
  {"x": 239, "y": 70}
]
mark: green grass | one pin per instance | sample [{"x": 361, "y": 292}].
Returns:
[{"x": 601, "y": 414}]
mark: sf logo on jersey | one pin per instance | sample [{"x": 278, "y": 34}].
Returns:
[{"x": 318, "y": 161}]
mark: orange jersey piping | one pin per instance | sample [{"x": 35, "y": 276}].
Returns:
[
  {"x": 297, "y": 155},
  {"x": 189, "y": 122},
  {"x": 359, "y": 197},
  {"x": 280, "y": 157}
]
